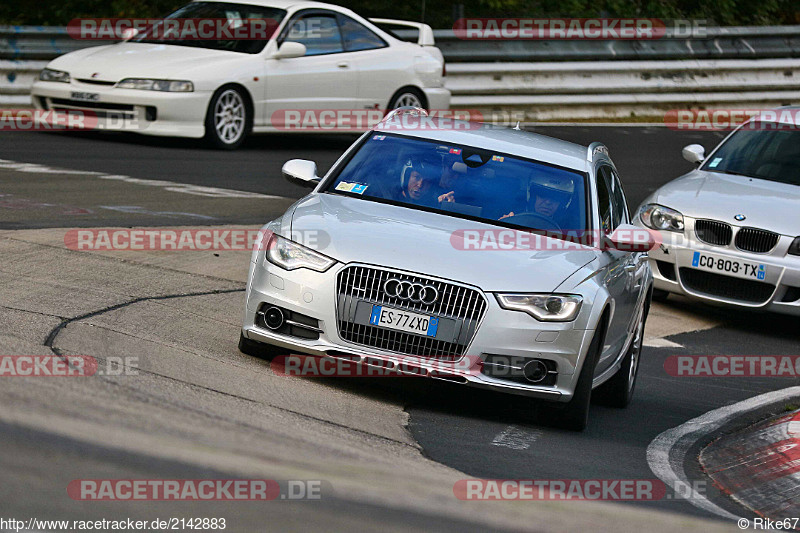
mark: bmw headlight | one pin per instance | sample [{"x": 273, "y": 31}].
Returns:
[
  {"x": 170, "y": 86},
  {"x": 662, "y": 218},
  {"x": 794, "y": 248},
  {"x": 49, "y": 74},
  {"x": 544, "y": 307},
  {"x": 290, "y": 256}
]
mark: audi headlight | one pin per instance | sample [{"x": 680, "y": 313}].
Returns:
[
  {"x": 290, "y": 256},
  {"x": 662, "y": 218},
  {"x": 544, "y": 307},
  {"x": 170, "y": 86},
  {"x": 794, "y": 248},
  {"x": 49, "y": 74}
]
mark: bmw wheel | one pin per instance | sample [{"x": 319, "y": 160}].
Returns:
[{"x": 229, "y": 118}]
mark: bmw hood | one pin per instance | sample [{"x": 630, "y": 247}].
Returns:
[
  {"x": 765, "y": 204},
  {"x": 137, "y": 60},
  {"x": 354, "y": 230}
]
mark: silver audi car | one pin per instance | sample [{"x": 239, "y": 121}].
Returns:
[
  {"x": 486, "y": 256},
  {"x": 731, "y": 228}
]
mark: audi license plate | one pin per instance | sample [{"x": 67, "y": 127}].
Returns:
[
  {"x": 729, "y": 267},
  {"x": 389, "y": 317}
]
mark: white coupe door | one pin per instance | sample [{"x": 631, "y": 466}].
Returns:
[{"x": 324, "y": 79}]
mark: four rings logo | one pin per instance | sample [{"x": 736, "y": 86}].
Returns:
[{"x": 413, "y": 292}]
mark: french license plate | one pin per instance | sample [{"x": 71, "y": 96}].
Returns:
[
  {"x": 389, "y": 317},
  {"x": 86, "y": 97},
  {"x": 729, "y": 267}
]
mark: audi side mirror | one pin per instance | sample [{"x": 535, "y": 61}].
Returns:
[
  {"x": 301, "y": 172},
  {"x": 694, "y": 153}
]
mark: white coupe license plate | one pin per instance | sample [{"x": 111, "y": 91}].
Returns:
[
  {"x": 85, "y": 97},
  {"x": 729, "y": 267},
  {"x": 389, "y": 317}
]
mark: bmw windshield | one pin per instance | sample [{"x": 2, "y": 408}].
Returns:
[
  {"x": 466, "y": 182},
  {"x": 764, "y": 150}
]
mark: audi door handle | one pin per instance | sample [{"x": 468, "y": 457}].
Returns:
[{"x": 343, "y": 65}]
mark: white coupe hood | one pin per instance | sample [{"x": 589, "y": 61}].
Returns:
[
  {"x": 137, "y": 60},
  {"x": 766, "y": 204},
  {"x": 418, "y": 241}
]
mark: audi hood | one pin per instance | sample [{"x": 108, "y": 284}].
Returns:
[
  {"x": 766, "y": 204},
  {"x": 353, "y": 230}
]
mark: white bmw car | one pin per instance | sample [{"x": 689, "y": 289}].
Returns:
[
  {"x": 731, "y": 227},
  {"x": 321, "y": 58}
]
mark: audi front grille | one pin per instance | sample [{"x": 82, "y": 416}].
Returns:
[
  {"x": 713, "y": 232},
  {"x": 462, "y": 305},
  {"x": 756, "y": 240}
]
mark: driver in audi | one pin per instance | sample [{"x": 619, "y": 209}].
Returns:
[{"x": 549, "y": 196}]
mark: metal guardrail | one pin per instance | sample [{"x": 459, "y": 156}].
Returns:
[{"x": 546, "y": 80}]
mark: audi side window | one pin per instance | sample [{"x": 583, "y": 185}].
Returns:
[
  {"x": 614, "y": 192},
  {"x": 319, "y": 33},
  {"x": 618, "y": 197},
  {"x": 358, "y": 37},
  {"x": 603, "y": 200}
]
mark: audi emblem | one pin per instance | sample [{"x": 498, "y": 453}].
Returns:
[{"x": 413, "y": 292}]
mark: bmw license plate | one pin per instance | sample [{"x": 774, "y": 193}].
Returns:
[
  {"x": 389, "y": 317},
  {"x": 729, "y": 267}
]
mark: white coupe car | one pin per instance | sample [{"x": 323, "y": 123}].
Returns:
[{"x": 321, "y": 58}]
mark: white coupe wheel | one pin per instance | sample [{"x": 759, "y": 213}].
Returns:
[
  {"x": 407, "y": 98},
  {"x": 228, "y": 121}
]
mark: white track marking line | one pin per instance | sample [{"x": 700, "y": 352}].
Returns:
[
  {"x": 667, "y": 452},
  {"x": 658, "y": 342},
  {"x": 516, "y": 438},
  {"x": 185, "y": 188}
]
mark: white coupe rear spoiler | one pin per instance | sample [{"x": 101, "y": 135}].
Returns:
[{"x": 425, "y": 32}]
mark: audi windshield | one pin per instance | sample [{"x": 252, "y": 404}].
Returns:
[{"x": 466, "y": 182}]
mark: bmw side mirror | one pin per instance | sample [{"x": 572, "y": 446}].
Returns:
[
  {"x": 630, "y": 238},
  {"x": 301, "y": 172},
  {"x": 694, "y": 153},
  {"x": 290, "y": 49}
]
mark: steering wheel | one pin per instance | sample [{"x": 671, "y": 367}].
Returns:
[{"x": 527, "y": 218}]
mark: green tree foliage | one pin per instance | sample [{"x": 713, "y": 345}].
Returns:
[{"x": 439, "y": 14}]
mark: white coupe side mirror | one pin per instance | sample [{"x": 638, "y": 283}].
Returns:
[
  {"x": 129, "y": 33},
  {"x": 694, "y": 153},
  {"x": 290, "y": 49},
  {"x": 301, "y": 172}
]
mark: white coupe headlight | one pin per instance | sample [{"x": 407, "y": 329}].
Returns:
[
  {"x": 290, "y": 256},
  {"x": 662, "y": 218},
  {"x": 170, "y": 86},
  {"x": 49, "y": 74},
  {"x": 544, "y": 307}
]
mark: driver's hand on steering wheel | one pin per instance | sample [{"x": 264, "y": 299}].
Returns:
[{"x": 511, "y": 214}]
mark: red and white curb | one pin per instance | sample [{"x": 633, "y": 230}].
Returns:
[{"x": 759, "y": 467}]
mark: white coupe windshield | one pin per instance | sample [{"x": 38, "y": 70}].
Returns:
[
  {"x": 235, "y": 16},
  {"x": 762, "y": 150},
  {"x": 466, "y": 182}
]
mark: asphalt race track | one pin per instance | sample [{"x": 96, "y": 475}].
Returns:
[{"x": 201, "y": 409}]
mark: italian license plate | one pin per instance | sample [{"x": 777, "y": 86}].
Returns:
[
  {"x": 729, "y": 267},
  {"x": 389, "y": 317},
  {"x": 86, "y": 97}
]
